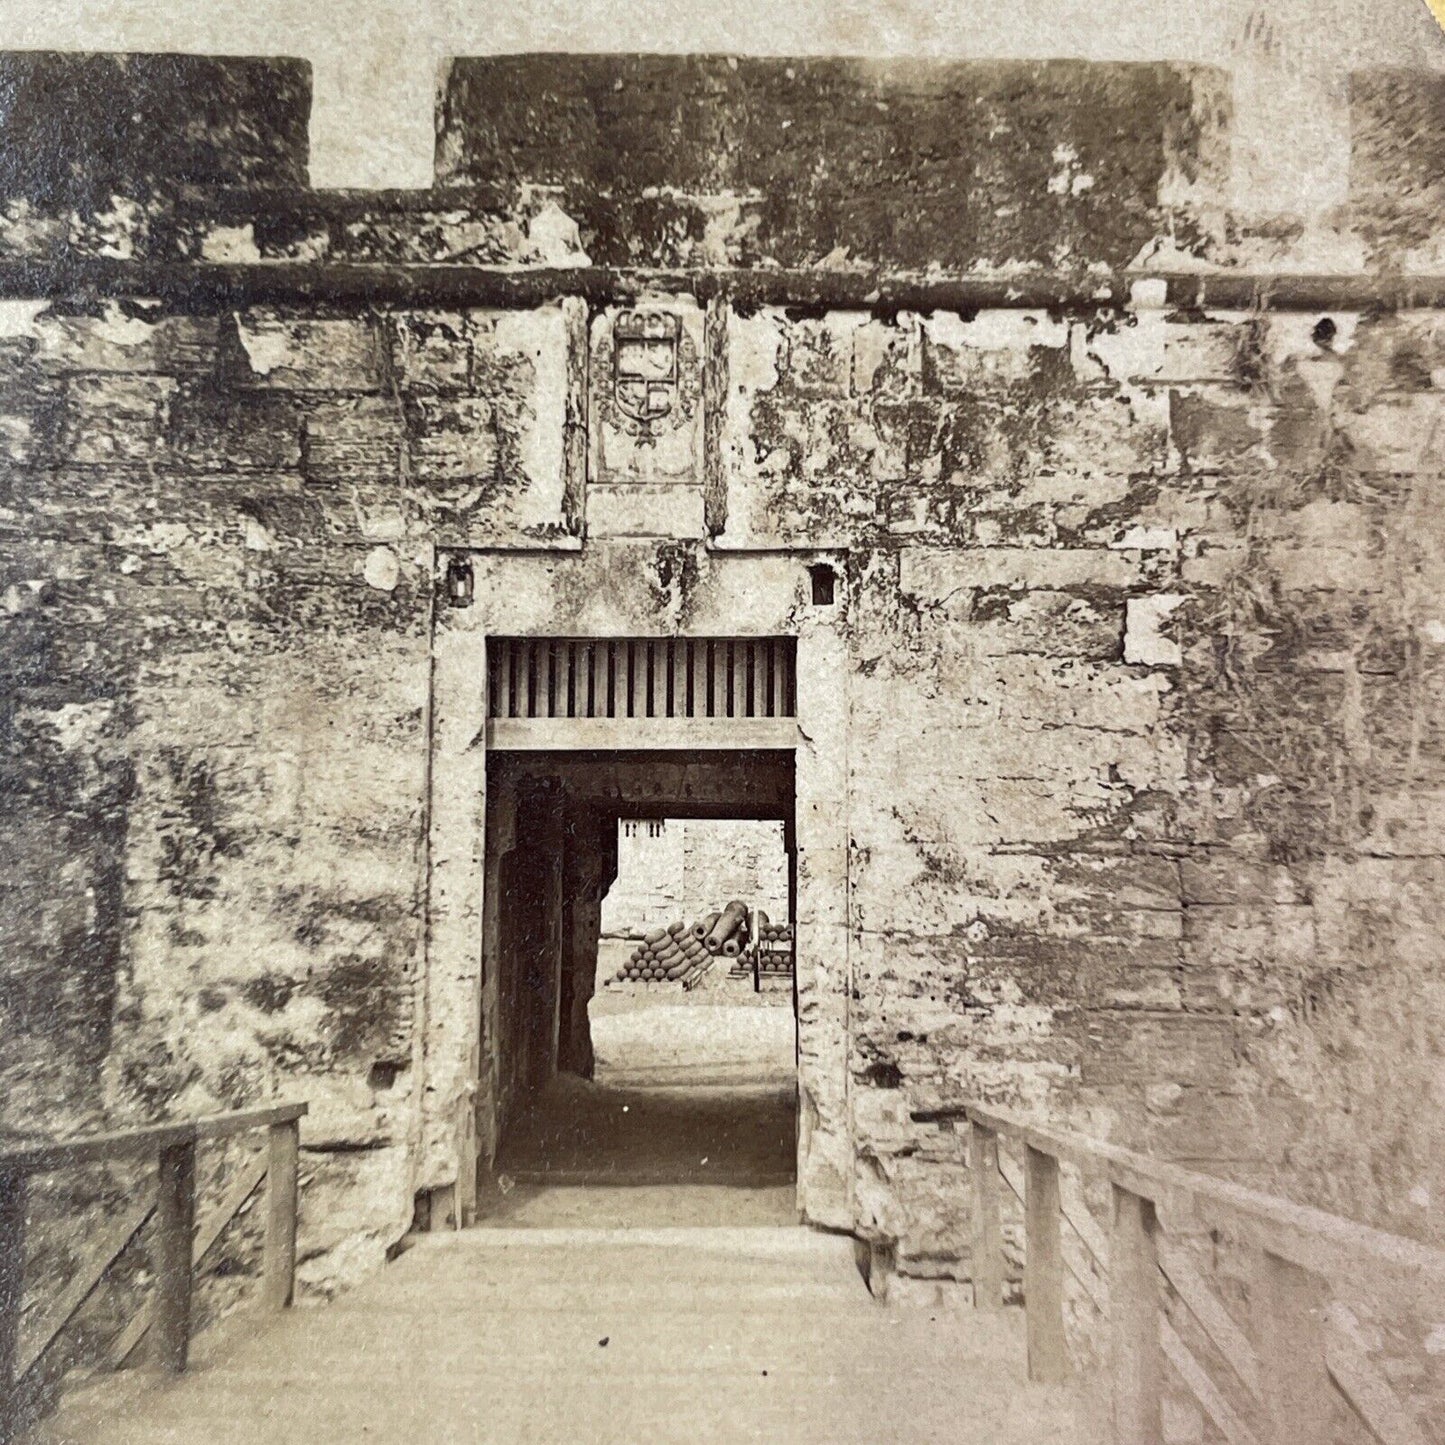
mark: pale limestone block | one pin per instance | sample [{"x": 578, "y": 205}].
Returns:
[
  {"x": 644, "y": 510},
  {"x": 1145, "y": 641},
  {"x": 309, "y": 355}
]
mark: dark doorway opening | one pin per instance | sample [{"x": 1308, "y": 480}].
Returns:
[{"x": 654, "y": 1081}]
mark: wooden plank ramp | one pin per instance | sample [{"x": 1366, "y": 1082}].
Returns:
[{"x": 599, "y": 1335}]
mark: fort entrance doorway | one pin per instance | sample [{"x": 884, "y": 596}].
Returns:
[
  {"x": 696, "y": 1084},
  {"x": 561, "y": 710},
  {"x": 567, "y": 797}
]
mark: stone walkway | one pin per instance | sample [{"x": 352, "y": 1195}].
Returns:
[
  {"x": 575, "y": 1336},
  {"x": 578, "y": 1132},
  {"x": 683, "y": 1039}
]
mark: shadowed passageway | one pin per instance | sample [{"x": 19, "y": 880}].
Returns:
[{"x": 578, "y": 1132}]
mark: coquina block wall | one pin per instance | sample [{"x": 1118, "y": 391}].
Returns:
[
  {"x": 688, "y": 868},
  {"x": 1142, "y": 576}
]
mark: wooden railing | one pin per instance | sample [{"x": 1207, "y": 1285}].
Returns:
[
  {"x": 1284, "y": 1372},
  {"x": 179, "y": 1242}
]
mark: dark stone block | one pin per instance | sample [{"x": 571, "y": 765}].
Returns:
[
  {"x": 1397, "y": 156},
  {"x": 76, "y": 129},
  {"x": 908, "y": 164}
]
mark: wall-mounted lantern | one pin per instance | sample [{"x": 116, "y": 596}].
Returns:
[{"x": 461, "y": 584}]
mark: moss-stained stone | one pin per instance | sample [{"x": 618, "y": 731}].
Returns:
[
  {"x": 1397, "y": 161},
  {"x": 911, "y": 165},
  {"x": 1138, "y": 783},
  {"x": 77, "y": 130}
]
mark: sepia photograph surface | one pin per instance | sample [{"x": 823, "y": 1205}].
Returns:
[{"x": 722, "y": 724}]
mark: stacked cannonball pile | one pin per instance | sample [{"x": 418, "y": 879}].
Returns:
[
  {"x": 664, "y": 954},
  {"x": 773, "y": 932},
  {"x": 679, "y": 953},
  {"x": 771, "y": 953}
]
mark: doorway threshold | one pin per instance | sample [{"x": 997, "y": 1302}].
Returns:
[{"x": 686, "y": 1206}]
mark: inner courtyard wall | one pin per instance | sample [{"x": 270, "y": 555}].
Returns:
[
  {"x": 1139, "y": 618},
  {"x": 686, "y": 868}
]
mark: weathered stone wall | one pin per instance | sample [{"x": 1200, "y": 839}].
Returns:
[
  {"x": 219, "y": 528},
  {"x": 1144, "y": 652},
  {"x": 718, "y": 160},
  {"x": 220, "y": 574},
  {"x": 692, "y": 867},
  {"x": 1147, "y": 670}
]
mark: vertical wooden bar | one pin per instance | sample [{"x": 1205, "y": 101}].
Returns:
[
  {"x": 504, "y": 680},
  {"x": 781, "y": 702},
  {"x": 1288, "y": 1315},
  {"x": 697, "y": 649},
  {"x": 556, "y": 683},
  {"x": 13, "y": 1191},
  {"x": 987, "y": 1231},
  {"x": 1136, "y": 1360},
  {"x": 637, "y": 679},
  {"x": 679, "y": 677},
  {"x": 175, "y": 1223},
  {"x": 599, "y": 680},
  {"x": 1044, "y": 1269},
  {"x": 278, "y": 1259},
  {"x": 720, "y": 679},
  {"x": 657, "y": 680}
]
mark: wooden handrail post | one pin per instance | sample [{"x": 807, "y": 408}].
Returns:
[
  {"x": 1044, "y": 1268},
  {"x": 278, "y": 1270},
  {"x": 1289, "y": 1318},
  {"x": 175, "y": 1224},
  {"x": 987, "y": 1234},
  {"x": 13, "y": 1192},
  {"x": 1134, "y": 1321}
]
